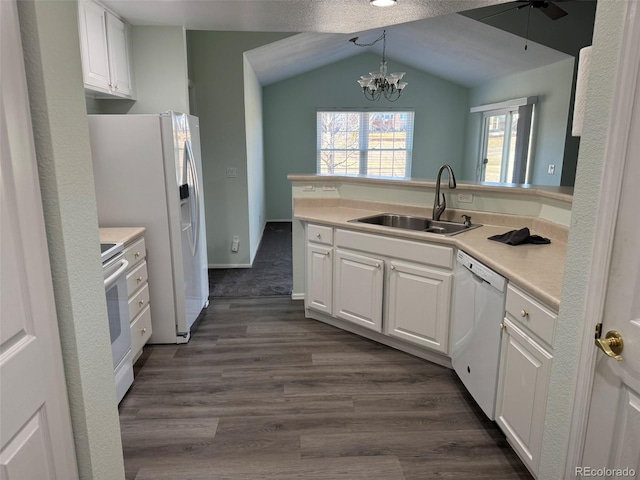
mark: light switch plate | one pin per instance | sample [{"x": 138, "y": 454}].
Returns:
[
  {"x": 465, "y": 197},
  {"x": 232, "y": 172},
  {"x": 328, "y": 188}
]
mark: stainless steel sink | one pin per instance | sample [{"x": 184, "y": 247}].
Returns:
[{"x": 418, "y": 224}]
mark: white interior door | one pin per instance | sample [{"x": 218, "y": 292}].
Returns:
[
  {"x": 35, "y": 431},
  {"x": 613, "y": 431}
]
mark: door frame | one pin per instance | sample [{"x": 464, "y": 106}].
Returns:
[{"x": 628, "y": 80}]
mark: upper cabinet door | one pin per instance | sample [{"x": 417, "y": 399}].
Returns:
[
  {"x": 93, "y": 45},
  {"x": 119, "y": 61}
]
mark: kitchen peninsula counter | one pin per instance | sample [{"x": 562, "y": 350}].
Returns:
[{"x": 537, "y": 269}]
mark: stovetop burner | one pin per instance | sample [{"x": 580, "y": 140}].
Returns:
[{"x": 110, "y": 250}]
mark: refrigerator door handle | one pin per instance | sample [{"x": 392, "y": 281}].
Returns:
[{"x": 195, "y": 223}]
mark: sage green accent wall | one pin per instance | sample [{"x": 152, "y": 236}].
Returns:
[
  {"x": 217, "y": 70},
  {"x": 552, "y": 84},
  {"x": 255, "y": 157},
  {"x": 441, "y": 110},
  {"x": 607, "y": 41},
  {"x": 61, "y": 133}
]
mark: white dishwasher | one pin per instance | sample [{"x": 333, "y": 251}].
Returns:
[{"x": 479, "y": 301}]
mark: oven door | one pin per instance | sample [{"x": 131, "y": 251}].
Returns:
[{"x": 115, "y": 285}]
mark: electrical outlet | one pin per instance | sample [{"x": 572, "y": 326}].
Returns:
[
  {"x": 232, "y": 172},
  {"x": 308, "y": 188},
  {"x": 328, "y": 188},
  {"x": 235, "y": 243},
  {"x": 465, "y": 197},
  {"x": 552, "y": 169}
]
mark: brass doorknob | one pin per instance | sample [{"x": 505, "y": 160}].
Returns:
[{"x": 612, "y": 344}]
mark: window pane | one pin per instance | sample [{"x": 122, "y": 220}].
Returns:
[
  {"x": 495, "y": 144},
  {"x": 511, "y": 160},
  {"x": 375, "y": 143}
]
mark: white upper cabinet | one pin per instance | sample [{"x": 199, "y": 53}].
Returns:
[
  {"x": 119, "y": 61},
  {"x": 104, "y": 45}
]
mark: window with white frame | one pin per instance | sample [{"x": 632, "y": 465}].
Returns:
[
  {"x": 505, "y": 140},
  {"x": 375, "y": 143}
]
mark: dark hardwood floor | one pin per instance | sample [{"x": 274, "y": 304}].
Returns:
[{"x": 261, "y": 393}]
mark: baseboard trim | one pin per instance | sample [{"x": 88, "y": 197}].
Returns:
[
  {"x": 297, "y": 296},
  {"x": 229, "y": 265}
]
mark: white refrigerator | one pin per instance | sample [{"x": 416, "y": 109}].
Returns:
[{"x": 148, "y": 173}]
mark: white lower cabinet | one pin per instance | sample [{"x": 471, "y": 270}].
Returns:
[
  {"x": 319, "y": 284},
  {"x": 418, "y": 300},
  {"x": 358, "y": 289},
  {"x": 523, "y": 380},
  {"x": 522, "y": 392},
  {"x": 395, "y": 287}
]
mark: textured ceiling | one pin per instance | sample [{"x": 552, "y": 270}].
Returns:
[
  {"x": 334, "y": 16},
  {"x": 453, "y": 47},
  {"x": 423, "y": 34}
]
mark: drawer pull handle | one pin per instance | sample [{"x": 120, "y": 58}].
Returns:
[
  {"x": 502, "y": 326},
  {"x": 139, "y": 279},
  {"x": 377, "y": 265},
  {"x": 136, "y": 255},
  {"x": 326, "y": 253},
  {"x": 318, "y": 235},
  {"x": 524, "y": 313},
  {"x": 143, "y": 331},
  {"x": 140, "y": 303},
  {"x": 393, "y": 267}
]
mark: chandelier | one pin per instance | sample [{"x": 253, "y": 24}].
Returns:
[{"x": 379, "y": 83}]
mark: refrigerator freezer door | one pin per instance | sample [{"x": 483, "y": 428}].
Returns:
[{"x": 188, "y": 222}]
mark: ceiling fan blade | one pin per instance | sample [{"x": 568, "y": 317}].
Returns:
[
  {"x": 500, "y": 13},
  {"x": 553, "y": 11}
]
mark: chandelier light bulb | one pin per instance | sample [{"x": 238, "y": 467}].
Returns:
[{"x": 383, "y": 3}]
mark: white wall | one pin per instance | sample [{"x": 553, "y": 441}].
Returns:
[
  {"x": 160, "y": 69},
  {"x": 160, "y": 73},
  {"x": 602, "y": 79},
  {"x": 54, "y": 76},
  {"x": 255, "y": 157}
]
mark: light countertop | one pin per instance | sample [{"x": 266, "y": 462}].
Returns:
[
  {"x": 536, "y": 269},
  {"x": 120, "y": 234}
]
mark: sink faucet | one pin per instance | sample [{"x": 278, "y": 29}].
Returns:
[{"x": 438, "y": 208}]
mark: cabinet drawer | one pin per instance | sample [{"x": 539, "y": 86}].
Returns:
[
  {"x": 135, "y": 253},
  {"x": 425, "y": 253},
  {"x": 320, "y": 234},
  {"x": 140, "y": 331},
  {"x": 531, "y": 314},
  {"x": 138, "y": 301},
  {"x": 136, "y": 278}
]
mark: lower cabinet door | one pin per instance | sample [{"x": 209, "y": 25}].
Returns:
[
  {"x": 140, "y": 332},
  {"x": 418, "y": 300},
  {"x": 358, "y": 289},
  {"x": 522, "y": 393},
  {"x": 319, "y": 287}
]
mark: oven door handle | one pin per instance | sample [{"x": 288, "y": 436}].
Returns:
[{"x": 113, "y": 278}]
